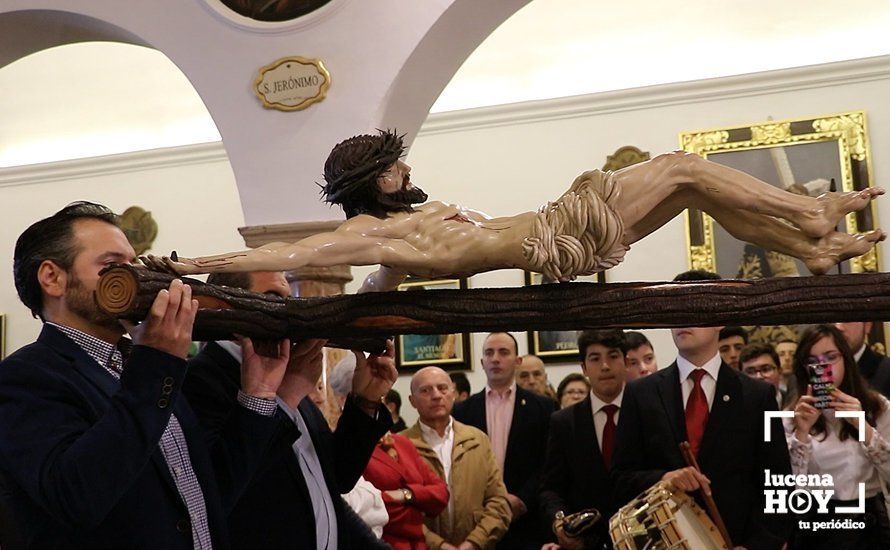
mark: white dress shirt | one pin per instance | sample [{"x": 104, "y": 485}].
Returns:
[
  {"x": 443, "y": 446},
  {"x": 708, "y": 382},
  {"x": 849, "y": 462},
  {"x": 600, "y": 416},
  {"x": 310, "y": 465}
]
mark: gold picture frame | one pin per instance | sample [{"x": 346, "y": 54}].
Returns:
[
  {"x": 794, "y": 154},
  {"x": 450, "y": 352},
  {"x": 806, "y": 155}
]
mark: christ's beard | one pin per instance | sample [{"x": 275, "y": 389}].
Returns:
[{"x": 401, "y": 201}]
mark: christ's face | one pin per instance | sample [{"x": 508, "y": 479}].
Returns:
[{"x": 396, "y": 178}]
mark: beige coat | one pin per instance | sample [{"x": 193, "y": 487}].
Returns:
[{"x": 479, "y": 507}]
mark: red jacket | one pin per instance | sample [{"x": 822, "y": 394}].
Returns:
[{"x": 405, "y": 528}]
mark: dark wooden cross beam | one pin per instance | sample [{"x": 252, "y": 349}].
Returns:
[{"x": 127, "y": 292}]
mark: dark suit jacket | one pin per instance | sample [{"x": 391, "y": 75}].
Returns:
[
  {"x": 876, "y": 369},
  {"x": 733, "y": 453},
  {"x": 575, "y": 476},
  {"x": 275, "y": 511},
  {"x": 524, "y": 458},
  {"x": 79, "y": 451}
]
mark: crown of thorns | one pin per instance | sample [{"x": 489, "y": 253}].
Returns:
[{"x": 357, "y": 162}]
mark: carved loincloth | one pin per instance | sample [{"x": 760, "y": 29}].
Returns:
[{"x": 580, "y": 233}]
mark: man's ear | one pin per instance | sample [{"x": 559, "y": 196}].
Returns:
[{"x": 52, "y": 278}]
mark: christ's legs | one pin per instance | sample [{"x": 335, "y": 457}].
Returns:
[
  {"x": 650, "y": 193},
  {"x": 819, "y": 254}
]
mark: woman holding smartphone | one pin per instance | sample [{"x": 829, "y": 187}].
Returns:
[{"x": 821, "y": 443}]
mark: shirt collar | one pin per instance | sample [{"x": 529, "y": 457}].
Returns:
[
  {"x": 597, "y": 404},
  {"x": 858, "y": 355},
  {"x": 509, "y": 392},
  {"x": 712, "y": 367},
  {"x": 431, "y": 432}
]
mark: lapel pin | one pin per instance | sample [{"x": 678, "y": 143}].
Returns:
[
  {"x": 523, "y": 401},
  {"x": 725, "y": 398}
]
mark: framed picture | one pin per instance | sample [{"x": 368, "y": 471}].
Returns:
[
  {"x": 2, "y": 336},
  {"x": 556, "y": 346},
  {"x": 451, "y": 352},
  {"x": 806, "y": 156}
]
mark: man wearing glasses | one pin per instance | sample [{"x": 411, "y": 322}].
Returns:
[{"x": 761, "y": 361}]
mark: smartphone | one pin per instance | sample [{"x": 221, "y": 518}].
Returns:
[{"x": 822, "y": 382}]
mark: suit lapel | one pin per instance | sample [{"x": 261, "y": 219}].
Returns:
[
  {"x": 586, "y": 447},
  {"x": 82, "y": 362},
  {"x": 95, "y": 373},
  {"x": 726, "y": 406},
  {"x": 476, "y": 409},
  {"x": 672, "y": 400}
]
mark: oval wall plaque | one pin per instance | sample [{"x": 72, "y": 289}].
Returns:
[{"x": 292, "y": 83}]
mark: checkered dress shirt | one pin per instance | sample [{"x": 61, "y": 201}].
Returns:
[{"x": 173, "y": 444}]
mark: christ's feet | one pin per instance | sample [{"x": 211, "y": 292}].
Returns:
[
  {"x": 836, "y": 247},
  {"x": 831, "y": 208}
]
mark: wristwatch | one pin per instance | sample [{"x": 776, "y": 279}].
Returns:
[{"x": 409, "y": 496}]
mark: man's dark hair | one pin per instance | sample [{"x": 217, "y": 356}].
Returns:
[
  {"x": 234, "y": 280},
  {"x": 755, "y": 350},
  {"x": 697, "y": 275},
  {"x": 515, "y": 343},
  {"x": 633, "y": 340},
  {"x": 729, "y": 332},
  {"x": 51, "y": 239},
  {"x": 461, "y": 382},
  {"x": 392, "y": 396},
  {"x": 610, "y": 338},
  {"x": 351, "y": 173}
]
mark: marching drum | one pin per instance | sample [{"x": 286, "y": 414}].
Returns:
[{"x": 664, "y": 518}]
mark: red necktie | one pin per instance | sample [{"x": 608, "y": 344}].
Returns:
[
  {"x": 609, "y": 434},
  {"x": 696, "y": 411}
]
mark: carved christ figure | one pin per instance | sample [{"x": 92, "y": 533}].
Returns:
[{"x": 588, "y": 229}]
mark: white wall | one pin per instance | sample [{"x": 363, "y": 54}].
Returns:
[{"x": 190, "y": 192}]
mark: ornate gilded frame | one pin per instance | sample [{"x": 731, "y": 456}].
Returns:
[{"x": 848, "y": 130}]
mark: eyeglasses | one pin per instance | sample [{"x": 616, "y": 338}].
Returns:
[
  {"x": 754, "y": 370},
  {"x": 829, "y": 358}
]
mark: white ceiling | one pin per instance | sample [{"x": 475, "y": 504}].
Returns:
[
  {"x": 94, "y": 99},
  {"x": 557, "y": 48}
]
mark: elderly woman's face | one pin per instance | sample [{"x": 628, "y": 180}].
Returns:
[{"x": 575, "y": 392}]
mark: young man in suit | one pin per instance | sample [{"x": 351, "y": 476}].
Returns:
[
  {"x": 873, "y": 366},
  {"x": 720, "y": 412},
  {"x": 582, "y": 440},
  {"x": 516, "y": 421},
  {"x": 98, "y": 449},
  {"x": 298, "y": 485}
]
